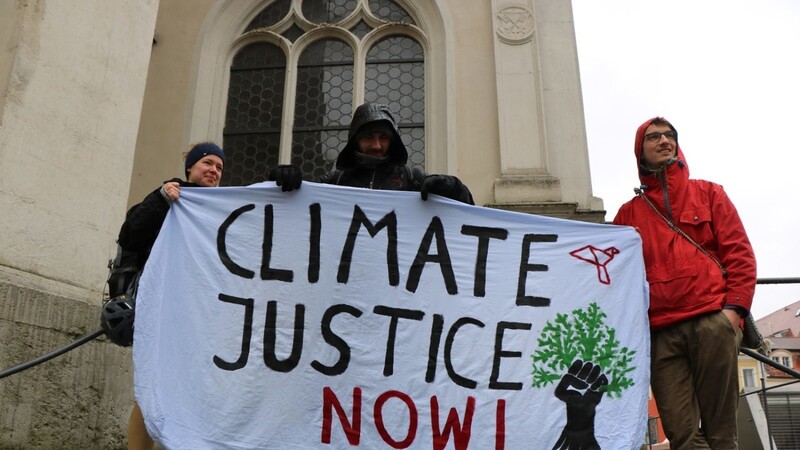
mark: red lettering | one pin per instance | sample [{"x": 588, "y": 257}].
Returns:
[
  {"x": 330, "y": 402},
  {"x": 461, "y": 434},
  {"x": 413, "y": 419},
  {"x": 453, "y": 427},
  {"x": 500, "y": 427}
]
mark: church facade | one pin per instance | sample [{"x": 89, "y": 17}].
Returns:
[{"x": 99, "y": 100}]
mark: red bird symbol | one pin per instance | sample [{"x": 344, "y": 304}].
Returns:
[{"x": 599, "y": 257}]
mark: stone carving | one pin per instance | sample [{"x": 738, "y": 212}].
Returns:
[{"x": 515, "y": 25}]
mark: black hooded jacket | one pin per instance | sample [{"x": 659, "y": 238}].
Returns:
[{"x": 392, "y": 174}]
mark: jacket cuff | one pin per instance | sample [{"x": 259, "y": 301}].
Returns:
[{"x": 739, "y": 309}]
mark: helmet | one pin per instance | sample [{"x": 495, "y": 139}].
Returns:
[{"x": 117, "y": 320}]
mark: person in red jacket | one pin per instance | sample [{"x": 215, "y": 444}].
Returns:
[{"x": 696, "y": 302}]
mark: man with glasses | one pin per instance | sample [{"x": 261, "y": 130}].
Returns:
[{"x": 702, "y": 275}]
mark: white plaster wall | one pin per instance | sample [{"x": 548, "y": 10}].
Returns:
[{"x": 70, "y": 114}]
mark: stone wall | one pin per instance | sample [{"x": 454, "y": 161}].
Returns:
[{"x": 80, "y": 399}]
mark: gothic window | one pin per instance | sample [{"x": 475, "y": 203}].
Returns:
[{"x": 304, "y": 67}]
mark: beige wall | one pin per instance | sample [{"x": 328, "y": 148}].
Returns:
[
  {"x": 162, "y": 136},
  {"x": 72, "y": 77},
  {"x": 468, "y": 103},
  {"x": 70, "y": 116}
]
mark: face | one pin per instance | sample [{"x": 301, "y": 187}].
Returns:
[
  {"x": 659, "y": 146},
  {"x": 374, "y": 144},
  {"x": 206, "y": 172}
]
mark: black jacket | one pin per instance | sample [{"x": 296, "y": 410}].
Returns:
[{"x": 143, "y": 223}]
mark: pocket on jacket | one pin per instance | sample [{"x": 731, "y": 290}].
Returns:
[
  {"x": 673, "y": 288},
  {"x": 695, "y": 217}
]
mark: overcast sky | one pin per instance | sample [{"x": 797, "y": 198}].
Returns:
[{"x": 726, "y": 74}]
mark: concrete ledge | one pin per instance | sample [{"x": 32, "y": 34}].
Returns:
[
  {"x": 553, "y": 209},
  {"x": 527, "y": 188}
]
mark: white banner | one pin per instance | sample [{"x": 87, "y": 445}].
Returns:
[{"x": 342, "y": 318}]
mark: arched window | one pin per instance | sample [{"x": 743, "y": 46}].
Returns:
[{"x": 303, "y": 67}]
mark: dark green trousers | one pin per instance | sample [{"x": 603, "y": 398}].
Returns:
[{"x": 695, "y": 382}]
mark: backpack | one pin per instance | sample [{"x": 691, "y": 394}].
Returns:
[
  {"x": 118, "y": 312},
  {"x": 124, "y": 272}
]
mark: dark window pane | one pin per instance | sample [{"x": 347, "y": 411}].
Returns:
[
  {"x": 327, "y": 11},
  {"x": 395, "y": 75},
  {"x": 389, "y": 11},
  {"x": 253, "y": 117},
  {"x": 271, "y": 15},
  {"x": 361, "y": 29},
  {"x": 293, "y": 32},
  {"x": 323, "y": 106}
]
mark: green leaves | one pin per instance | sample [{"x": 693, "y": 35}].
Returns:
[{"x": 583, "y": 336}]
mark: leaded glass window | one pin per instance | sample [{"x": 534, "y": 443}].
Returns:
[
  {"x": 395, "y": 75},
  {"x": 346, "y": 52},
  {"x": 323, "y": 106},
  {"x": 251, "y": 139}
]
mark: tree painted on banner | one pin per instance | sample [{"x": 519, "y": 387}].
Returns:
[{"x": 583, "y": 354}]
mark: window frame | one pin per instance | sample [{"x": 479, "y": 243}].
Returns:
[{"x": 222, "y": 37}]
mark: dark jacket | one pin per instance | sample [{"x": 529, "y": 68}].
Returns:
[
  {"x": 684, "y": 282},
  {"x": 392, "y": 174},
  {"x": 143, "y": 223}
]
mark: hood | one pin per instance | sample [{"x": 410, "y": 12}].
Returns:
[
  {"x": 366, "y": 114},
  {"x": 646, "y": 176}
]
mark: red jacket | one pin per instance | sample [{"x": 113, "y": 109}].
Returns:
[{"x": 684, "y": 282}]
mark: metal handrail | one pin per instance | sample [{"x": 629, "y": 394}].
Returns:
[
  {"x": 778, "y": 280},
  {"x": 755, "y": 355}
]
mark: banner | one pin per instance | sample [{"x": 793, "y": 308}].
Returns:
[{"x": 342, "y": 318}]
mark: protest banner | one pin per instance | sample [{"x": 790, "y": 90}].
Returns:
[{"x": 333, "y": 317}]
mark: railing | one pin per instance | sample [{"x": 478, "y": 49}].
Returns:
[
  {"x": 790, "y": 438},
  {"x": 792, "y": 441},
  {"x": 789, "y": 435}
]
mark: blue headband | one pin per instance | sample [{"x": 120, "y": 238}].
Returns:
[{"x": 200, "y": 150}]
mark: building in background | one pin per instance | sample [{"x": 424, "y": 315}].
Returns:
[
  {"x": 98, "y": 101},
  {"x": 784, "y": 322}
]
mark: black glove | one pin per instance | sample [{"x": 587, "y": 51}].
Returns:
[
  {"x": 287, "y": 176},
  {"x": 446, "y": 186}
]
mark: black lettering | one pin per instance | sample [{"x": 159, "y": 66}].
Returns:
[
  {"x": 389, "y": 222},
  {"x": 268, "y": 273},
  {"x": 433, "y": 349},
  {"x": 221, "y": 247},
  {"x": 525, "y": 267},
  {"x": 500, "y": 353},
  {"x": 335, "y": 341},
  {"x": 448, "y": 351},
  {"x": 313, "y": 242},
  {"x": 395, "y": 314},
  {"x": 271, "y": 336},
  {"x": 435, "y": 228},
  {"x": 483, "y": 234},
  {"x": 247, "y": 332}
]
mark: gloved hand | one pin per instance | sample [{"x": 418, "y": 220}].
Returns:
[
  {"x": 446, "y": 186},
  {"x": 287, "y": 176}
]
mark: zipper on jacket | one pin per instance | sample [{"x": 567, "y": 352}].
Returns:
[
  {"x": 667, "y": 208},
  {"x": 372, "y": 181}
]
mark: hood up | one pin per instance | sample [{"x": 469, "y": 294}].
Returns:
[
  {"x": 645, "y": 174},
  {"x": 365, "y": 114}
]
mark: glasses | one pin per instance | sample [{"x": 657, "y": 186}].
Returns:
[{"x": 656, "y": 136}]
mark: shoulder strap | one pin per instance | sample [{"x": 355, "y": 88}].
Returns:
[
  {"x": 124, "y": 272},
  {"x": 675, "y": 228}
]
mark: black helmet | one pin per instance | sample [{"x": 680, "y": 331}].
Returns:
[{"x": 117, "y": 320}]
